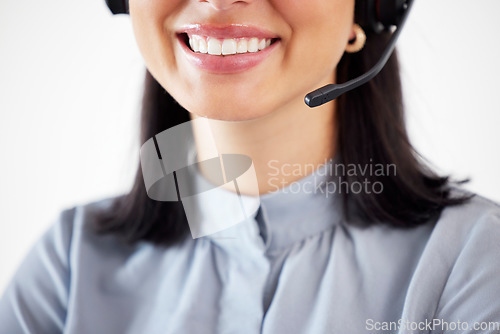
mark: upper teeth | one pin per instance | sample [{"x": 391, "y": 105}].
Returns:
[{"x": 215, "y": 46}]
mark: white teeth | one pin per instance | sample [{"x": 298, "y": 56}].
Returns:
[
  {"x": 262, "y": 44},
  {"x": 253, "y": 45},
  {"x": 214, "y": 46},
  {"x": 242, "y": 46},
  {"x": 203, "y": 46},
  {"x": 228, "y": 46},
  {"x": 195, "y": 44}
]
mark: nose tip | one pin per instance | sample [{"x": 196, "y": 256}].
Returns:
[{"x": 224, "y": 4}]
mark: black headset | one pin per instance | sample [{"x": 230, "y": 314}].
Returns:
[
  {"x": 372, "y": 15},
  {"x": 118, "y": 6},
  {"x": 380, "y": 15}
]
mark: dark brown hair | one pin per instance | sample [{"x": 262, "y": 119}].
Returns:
[{"x": 371, "y": 130}]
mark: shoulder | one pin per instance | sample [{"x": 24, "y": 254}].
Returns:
[
  {"x": 69, "y": 232},
  {"x": 466, "y": 235},
  {"x": 71, "y": 267},
  {"x": 73, "y": 224},
  {"x": 457, "y": 273},
  {"x": 476, "y": 220},
  {"x": 36, "y": 299},
  {"x": 82, "y": 237},
  {"x": 466, "y": 240},
  {"x": 477, "y": 206}
]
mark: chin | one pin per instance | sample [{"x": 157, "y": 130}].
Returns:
[
  {"x": 232, "y": 113},
  {"x": 229, "y": 115}
]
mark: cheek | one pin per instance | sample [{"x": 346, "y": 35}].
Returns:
[
  {"x": 321, "y": 29},
  {"x": 148, "y": 20},
  {"x": 333, "y": 13}
]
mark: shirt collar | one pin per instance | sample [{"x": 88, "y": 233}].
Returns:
[
  {"x": 300, "y": 210},
  {"x": 272, "y": 221}
]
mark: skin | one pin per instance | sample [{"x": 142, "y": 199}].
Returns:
[{"x": 245, "y": 117}]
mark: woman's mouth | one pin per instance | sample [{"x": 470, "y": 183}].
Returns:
[
  {"x": 226, "y": 49},
  {"x": 228, "y": 46}
]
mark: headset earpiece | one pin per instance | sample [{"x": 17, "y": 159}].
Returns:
[
  {"x": 365, "y": 15},
  {"x": 391, "y": 11},
  {"x": 118, "y": 6},
  {"x": 379, "y": 15}
]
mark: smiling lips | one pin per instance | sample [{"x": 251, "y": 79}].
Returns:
[{"x": 226, "y": 49}]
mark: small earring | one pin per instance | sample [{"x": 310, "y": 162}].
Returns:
[{"x": 356, "y": 44}]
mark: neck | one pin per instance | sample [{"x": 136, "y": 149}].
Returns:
[{"x": 284, "y": 145}]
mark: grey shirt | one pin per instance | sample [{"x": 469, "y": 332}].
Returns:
[{"x": 295, "y": 267}]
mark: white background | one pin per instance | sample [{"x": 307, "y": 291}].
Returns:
[{"x": 71, "y": 80}]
